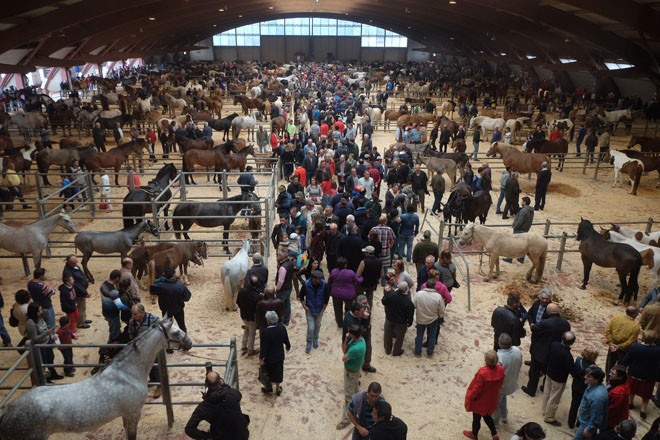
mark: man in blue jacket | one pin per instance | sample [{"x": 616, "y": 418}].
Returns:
[
  {"x": 593, "y": 407},
  {"x": 409, "y": 228},
  {"x": 314, "y": 297}
]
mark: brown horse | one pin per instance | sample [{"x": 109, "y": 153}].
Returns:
[
  {"x": 391, "y": 115},
  {"x": 521, "y": 162},
  {"x": 204, "y": 158},
  {"x": 214, "y": 105},
  {"x": 247, "y": 103},
  {"x": 198, "y": 116},
  {"x": 278, "y": 125},
  {"x": 647, "y": 144},
  {"x": 141, "y": 256},
  {"x": 557, "y": 147},
  {"x": 114, "y": 158},
  {"x": 233, "y": 161},
  {"x": 651, "y": 163},
  {"x": 5, "y": 143},
  {"x": 21, "y": 157},
  {"x": 178, "y": 255}
]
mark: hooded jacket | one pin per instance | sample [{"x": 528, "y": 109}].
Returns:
[{"x": 483, "y": 393}]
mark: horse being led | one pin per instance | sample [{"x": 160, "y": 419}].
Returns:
[
  {"x": 503, "y": 244},
  {"x": 633, "y": 167},
  {"x": 119, "y": 390},
  {"x": 233, "y": 272}
]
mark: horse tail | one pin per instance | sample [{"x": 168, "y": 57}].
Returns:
[
  {"x": 226, "y": 278},
  {"x": 151, "y": 266},
  {"x": 128, "y": 222}
]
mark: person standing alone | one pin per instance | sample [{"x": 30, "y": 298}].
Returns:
[{"x": 542, "y": 182}]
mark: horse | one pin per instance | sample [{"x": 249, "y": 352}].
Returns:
[
  {"x": 233, "y": 160},
  {"x": 521, "y": 162},
  {"x": 111, "y": 123},
  {"x": 21, "y": 157},
  {"x": 29, "y": 123},
  {"x": 436, "y": 164},
  {"x": 558, "y": 147},
  {"x": 33, "y": 238},
  {"x": 650, "y": 254},
  {"x": 633, "y": 167},
  {"x": 614, "y": 117},
  {"x": 119, "y": 390},
  {"x": 595, "y": 249},
  {"x": 247, "y": 103},
  {"x": 467, "y": 207},
  {"x": 232, "y": 274},
  {"x": 223, "y": 124},
  {"x": 391, "y": 115},
  {"x": 248, "y": 123},
  {"x": 141, "y": 256},
  {"x": 486, "y": 123},
  {"x": 178, "y": 255},
  {"x": 498, "y": 243},
  {"x": 447, "y": 107},
  {"x": 174, "y": 103},
  {"x": 114, "y": 158},
  {"x": 64, "y": 157},
  {"x": 146, "y": 194},
  {"x": 278, "y": 125},
  {"x": 650, "y": 238},
  {"x": 109, "y": 242},
  {"x": 651, "y": 163},
  {"x": 202, "y": 214},
  {"x": 646, "y": 144}
]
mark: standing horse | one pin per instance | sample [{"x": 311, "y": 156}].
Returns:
[
  {"x": 119, "y": 390},
  {"x": 233, "y": 272},
  {"x": 505, "y": 244},
  {"x": 521, "y": 162},
  {"x": 33, "y": 238},
  {"x": 248, "y": 123},
  {"x": 558, "y": 147},
  {"x": 174, "y": 103},
  {"x": 146, "y": 194},
  {"x": 247, "y": 103},
  {"x": 650, "y": 238},
  {"x": 651, "y": 163},
  {"x": 468, "y": 207},
  {"x": 633, "y": 167},
  {"x": 110, "y": 242},
  {"x": 595, "y": 249},
  {"x": 63, "y": 157},
  {"x": 178, "y": 255},
  {"x": 206, "y": 214},
  {"x": 233, "y": 160},
  {"x": 114, "y": 158},
  {"x": 223, "y": 125}
]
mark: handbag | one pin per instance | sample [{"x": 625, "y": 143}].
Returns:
[
  {"x": 264, "y": 378},
  {"x": 13, "y": 321}
]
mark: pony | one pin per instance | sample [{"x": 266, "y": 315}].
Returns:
[
  {"x": 63, "y": 157},
  {"x": 447, "y": 107},
  {"x": 178, "y": 255},
  {"x": 650, "y": 254},
  {"x": 141, "y": 256},
  {"x": 522, "y": 162},
  {"x": 633, "y": 167},
  {"x": 233, "y": 272},
  {"x": 278, "y": 125},
  {"x": 595, "y": 249},
  {"x": 650, "y": 238},
  {"x": 33, "y": 238},
  {"x": 29, "y": 123},
  {"x": 146, "y": 194},
  {"x": 119, "y": 390},
  {"x": 436, "y": 164},
  {"x": 110, "y": 242},
  {"x": 497, "y": 243}
]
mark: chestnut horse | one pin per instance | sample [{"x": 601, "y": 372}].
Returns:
[
  {"x": 558, "y": 147},
  {"x": 521, "y": 162},
  {"x": 141, "y": 256},
  {"x": 114, "y": 158},
  {"x": 247, "y": 103},
  {"x": 233, "y": 161},
  {"x": 279, "y": 124}
]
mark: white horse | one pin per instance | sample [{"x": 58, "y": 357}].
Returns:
[
  {"x": 486, "y": 123},
  {"x": 615, "y": 116},
  {"x": 278, "y": 103},
  {"x": 515, "y": 125},
  {"x": 374, "y": 114},
  {"x": 233, "y": 272},
  {"x": 144, "y": 105},
  {"x": 33, "y": 238},
  {"x": 109, "y": 114},
  {"x": 651, "y": 238},
  {"x": 622, "y": 162},
  {"x": 119, "y": 390},
  {"x": 447, "y": 107},
  {"x": 29, "y": 123},
  {"x": 650, "y": 259},
  {"x": 254, "y": 92},
  {"x": 248, "y": 123},
  {"x": 174, "y": 104}
]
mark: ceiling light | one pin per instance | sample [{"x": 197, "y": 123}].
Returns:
[
  {"x": 221, "y": 10},
  {"x": 452, "y": 2},
  {"x": 271, "y": 7},
  {"x": 215, "y": 25},
  {"x": 567, "y": 40},
  {"x": 451, "y": 38},
  {"x": 346, "y": 13},
  {"x": 409, "y": 27},
  {"x": 152, "y": 18},
  {"x": 371, "y": 21},
  {"x": 240, "y": 15}
]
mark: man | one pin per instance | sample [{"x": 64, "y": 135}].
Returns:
[
  {"x": 259, "y": 270},
  {"x": 370, "y": 270},
  {"x": 360, "y": 410},
  {"x": 127, "y": 274},
  {"x": 348, "y": 226},
  {"x": 283, "y": 226},
  {"x": 141, "y": 321},
  {"x": 581, "y": 134},
  {"x": 408, "y": 230},
  {"x": 622, "y": 331},
  {"x": 360, "y": 315},
  {"x": 522, "y": 223},
  {"x": 172, "y": 296},
  {"x": 445, "y": 137},
  {"x": 387, "y": 240},
  {"x": 99, "y": 137},
  {"x": 626, "y": 430},
  {"x": 221, "y": 409},
  {"x": 246, "y": 180},
  {"x": 151, "y": 138},
  {"x": 354, "y": 349},
  {"x": 42, "y": 294},
  {"x": 283, "y": 202},
  {"x": 351, "y": 181},
  {"x": 314, "y": 296},
  {"x": 117, "y": 133},
  {"x": 399, "y": 314},
  {"x": 247, "y": 300},
  {"x": 430, "y": 307},
  {"x": 510, "y": 357},
  {"x": 284, "y": 283},
  {"x": 418, "y": 181},
  {"x": 13, "y": 183},
  {"x": 367, "y": 183},
  {"x": 332, "y": 240},
  {"x": 342, "y": 170},
  {"x": 262, "y": 139},
  {"x": 542, "y": 182},
  {"x": 650, "y": 319},
  {"x": 503, "y": 180},
  {"x": 593, "y": 407},
  {"x": 268, "y": 303},
  {"x": 538, "y": 311},
  {"x": 350, "y": 247},
  {"x": 560, "y": 365},
  {"x": 424, "y": 271},
  {"x": 544, "y": 334},
  {"x": 423, "y": 249},
  {"x": 387, "y": 426},
  {"x": 111, "y": 305},
  {"x": 438, "y": 188},
  {"x": 80, "y": 283},
  {"x": 508, "y": 320},
  {"x": 511, "y": 194},
  {"x": 310, "y": 162}
]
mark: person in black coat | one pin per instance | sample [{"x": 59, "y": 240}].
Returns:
[
  {"x": 273, "y": 339},
  {"x": 259, "y": 270},
  {"x": 172, "y": 296},
  {"x": 350, "y": 247},
  {"x": 247, "y": 300},
  {"x": 99, "y": 137},
  {"x": 542, "y": 182},
  {"x": 544, "y": 334},
  {"x": 560, "y": 366},
  {"x": 539, "y": 307},
  {"x": 80, "y": 283},
  {"x": 508, "y": 319},
  {"x": 399, "y": 314},
  {"x": 386, "y": 427},
  {"x": 511, "y": 195},
  {"x": 445, "y": 137}
]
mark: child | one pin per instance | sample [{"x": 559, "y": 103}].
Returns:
[
  {"x": 507, "y": 135},
  {"x": 66, "y": 337},
  {"x": 294, "y": 242},
  {"x": 68, "y": 301}
]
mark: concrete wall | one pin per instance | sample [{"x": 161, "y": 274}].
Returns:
[{"x": 542, "y": 73}]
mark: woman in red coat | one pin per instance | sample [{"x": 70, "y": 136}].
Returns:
[
  {"x": 618, "y": 392},
  {"x": 482, "y": 395}
]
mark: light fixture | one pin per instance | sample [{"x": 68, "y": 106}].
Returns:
[
  {"x": 451, "y": 38},
  {"x": 371, "y": 21},
  {"x": 452, "y": 2},
  {"x": 152, "y": 18},
  {"x": 221, "y": 10},
  {"x": 567, "y": 40},
  {"x": 409, "y": 27},
  {"x": 240, "y": 15},
  {"x": 215, "y": 25},
  {"x": 271, "y": 7}
]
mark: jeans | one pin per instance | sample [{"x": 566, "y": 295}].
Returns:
[
  {"x": 501, "y": 412},
  {"x": 437, "y": 201},
  {"x": 535, "y": 371},
  {"x": 67, "y": 354},
  {"x": 403, "y": 241},
  {"x": 392, "y": 328},
  {"x": 114, "y": 325},
  {"x": 499, "y": 202},
  {"x": 476, "y": 150},
  {"x": 48, "y": 357},
  {"x": 313, "y": 326},
  {"x": 49, "y": 317},
  {"x": 285, "y": 295},
  {"x": 579, "y": 434},
  {"x": 16, "y": 192},
  {"x": 6, "y": 339},
  {"x": 521, "y": 259},
  {"x": 430, "y": 337}
]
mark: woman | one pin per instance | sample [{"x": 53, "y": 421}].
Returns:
[
  {"x": 317, "y": 242},
  {"x": 390, "y": 195},
  {"x": 374, "y": 240},
  {"x": 618, "y": 394},
  {"x": 483, "y": 394},
  {"x": 390, "y": 280},
  {"x": 306, "y": 274},
  {"x": 447, "y": 270},
  {"x": 287, "y": 160},
  {"x": 642, "y": 361},
  {"x": 314, "y": 191},
  {"x": 19, "y": 310},
  {"x": 342, "y": 283},
  {"x": 402, "y": 275},
  {"x": 124, "y": 289},
  {"x": 439, "y": 287},
  {"x": 529, "y": 431},
  {"x": 586, "y": 359},
  {"x": 271, "y": 355},
  {"x": 37, "y": 332}
]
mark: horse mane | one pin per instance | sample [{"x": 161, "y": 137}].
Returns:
[
  {"x": 162, "y": 172},
  {"x": 133, "y": 346},
  {"x": 586, "y": 229}
]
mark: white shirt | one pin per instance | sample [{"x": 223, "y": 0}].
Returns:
[
  {"x": 105, "y": 184},
  {"x": 367, "y": 184}
]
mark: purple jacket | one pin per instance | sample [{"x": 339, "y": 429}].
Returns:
[{"x": 342, "y": 283}]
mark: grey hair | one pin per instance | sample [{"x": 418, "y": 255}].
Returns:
[
  {"x": 140, "y": 307},
  {"x": 515, "y": 174},
  {"x": 403, "y": 286},
  {"x": 504, "y": 341},
  {"x": 257, "y": 258},
  {"x": 427, "y": 234},
  {"x": 544, "y": 164},
  {"x": 545, "y": 291},
  {"x": 350, "y": 217},
  {"x": 271, "y": 317},
  {"x": 361, "y": 298}
]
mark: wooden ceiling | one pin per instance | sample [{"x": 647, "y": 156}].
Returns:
[{"x": 71, "y": 32}]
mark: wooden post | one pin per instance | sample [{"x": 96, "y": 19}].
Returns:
[
  {"x": 649, "y": 225},
  {"x": 165, "y": 387},
  {"x": 562, "y": 248},
  {"x": 546, "y": 231}
]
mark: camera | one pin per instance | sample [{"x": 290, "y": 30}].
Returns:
[{"x": 209, "y": 367}]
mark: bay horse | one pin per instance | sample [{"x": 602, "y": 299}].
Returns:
[
  {"x": 113, "y": 158},
  {"x": 204, "y": 214},
  {"x": 633, "y": 167},
  {"x": 278, "y": 125},
  {"x": 204, "y": 158},
  {"x": 223, "y": 124},
  {"x": 233, "y": 161},
  {"x": 595, "y": 249},
  {"x": 647, "y": 144},
  {"x": 179, "y": 256},
  {"x": 119, "y": 390},
  {"x": 233, "y": 272},
  {"x": 467, "y": 207},
  {"x": 521, "y": 162},
  {"x": 558, "y": 147},
  {"x": 248, "y": 103},
  {"x": 141, "y": 256},
  {"x": 146, "y": 194},
  {"x": 498, "y": 244}
]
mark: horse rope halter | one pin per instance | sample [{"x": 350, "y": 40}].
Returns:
[{"x": 167, "y": 336}]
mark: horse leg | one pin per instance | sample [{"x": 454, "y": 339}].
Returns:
[
  {"x": 130, "y": 425},
  {"x": 531, "y": 269},
  {"x": 626, "y": 291},
  {"x": 167, "y": 226},
  {"x": 85, "y": 259},
  {"x": 587, "y": 268},
  {"x": 225, "y": 237},
  {"x": 491, "y": 264}
]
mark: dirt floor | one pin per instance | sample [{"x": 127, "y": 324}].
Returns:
[{"x": 428, "y": 394}]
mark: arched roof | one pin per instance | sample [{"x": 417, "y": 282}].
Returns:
[{"x": 58, "y": 33}]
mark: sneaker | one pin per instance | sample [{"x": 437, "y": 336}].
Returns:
[
  {"x": 308, "y": 348},
  {"x": 508, "y": 260},
  {"x": 316, "y": 344},
  {"x": 88, "y": 321}
]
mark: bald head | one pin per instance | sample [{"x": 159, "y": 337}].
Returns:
[
  {"x": 552, "y": 309},
  {"x": 212, "y": 377}
]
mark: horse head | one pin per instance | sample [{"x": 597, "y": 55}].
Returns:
[
  {"x": 467, "y": 235},
  {"x": 176, "y": 338},
  {"x": 202, "y": 250},
  {"x": 605, "y": 233},
  {"x": 493, "y": 150},
  {"x": 152, "y": 229},
  {"x": 65, "y": 221},
  {"x": 585, "y": 228}
]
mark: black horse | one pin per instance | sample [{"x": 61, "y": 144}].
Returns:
[
  {"x": 223, "y": 124},
  {"x": 146, "y": 194},
  {"x": 205, "y": 214},
  {"x": 595, "y": 249},
  {"x": 467, "y": 207}
]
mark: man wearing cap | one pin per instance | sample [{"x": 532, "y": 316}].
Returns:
[
  {"x": 542, "y": 182},
  {"x": 371, "y": 271},
  {"x": 314, "y": 296},
  {"x": 259, "y": 270},
  {"x": 172, "y": 296},
  {"x": 283, "y": 202},
  {"x": 424, "y": 248},
  {"x": 247, "y": 300}
]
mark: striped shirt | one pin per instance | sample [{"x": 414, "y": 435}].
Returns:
[{"x": 386, "y": 236}]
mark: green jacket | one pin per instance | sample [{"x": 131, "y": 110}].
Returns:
[
  {"x": 524, "y": 219},
  {"x": 476, "y": 137},
  {"x": 262, "y": 138},
  {"x": 423, "y": 249}
]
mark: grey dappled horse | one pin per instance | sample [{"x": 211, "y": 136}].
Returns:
[
  {"x": 233, "y": 272},
  {"x": 119, "y": 390}
]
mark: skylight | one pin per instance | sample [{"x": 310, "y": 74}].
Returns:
[
  {"x": 567, "y": 60},
  {"x": 618, "y": 66}
]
